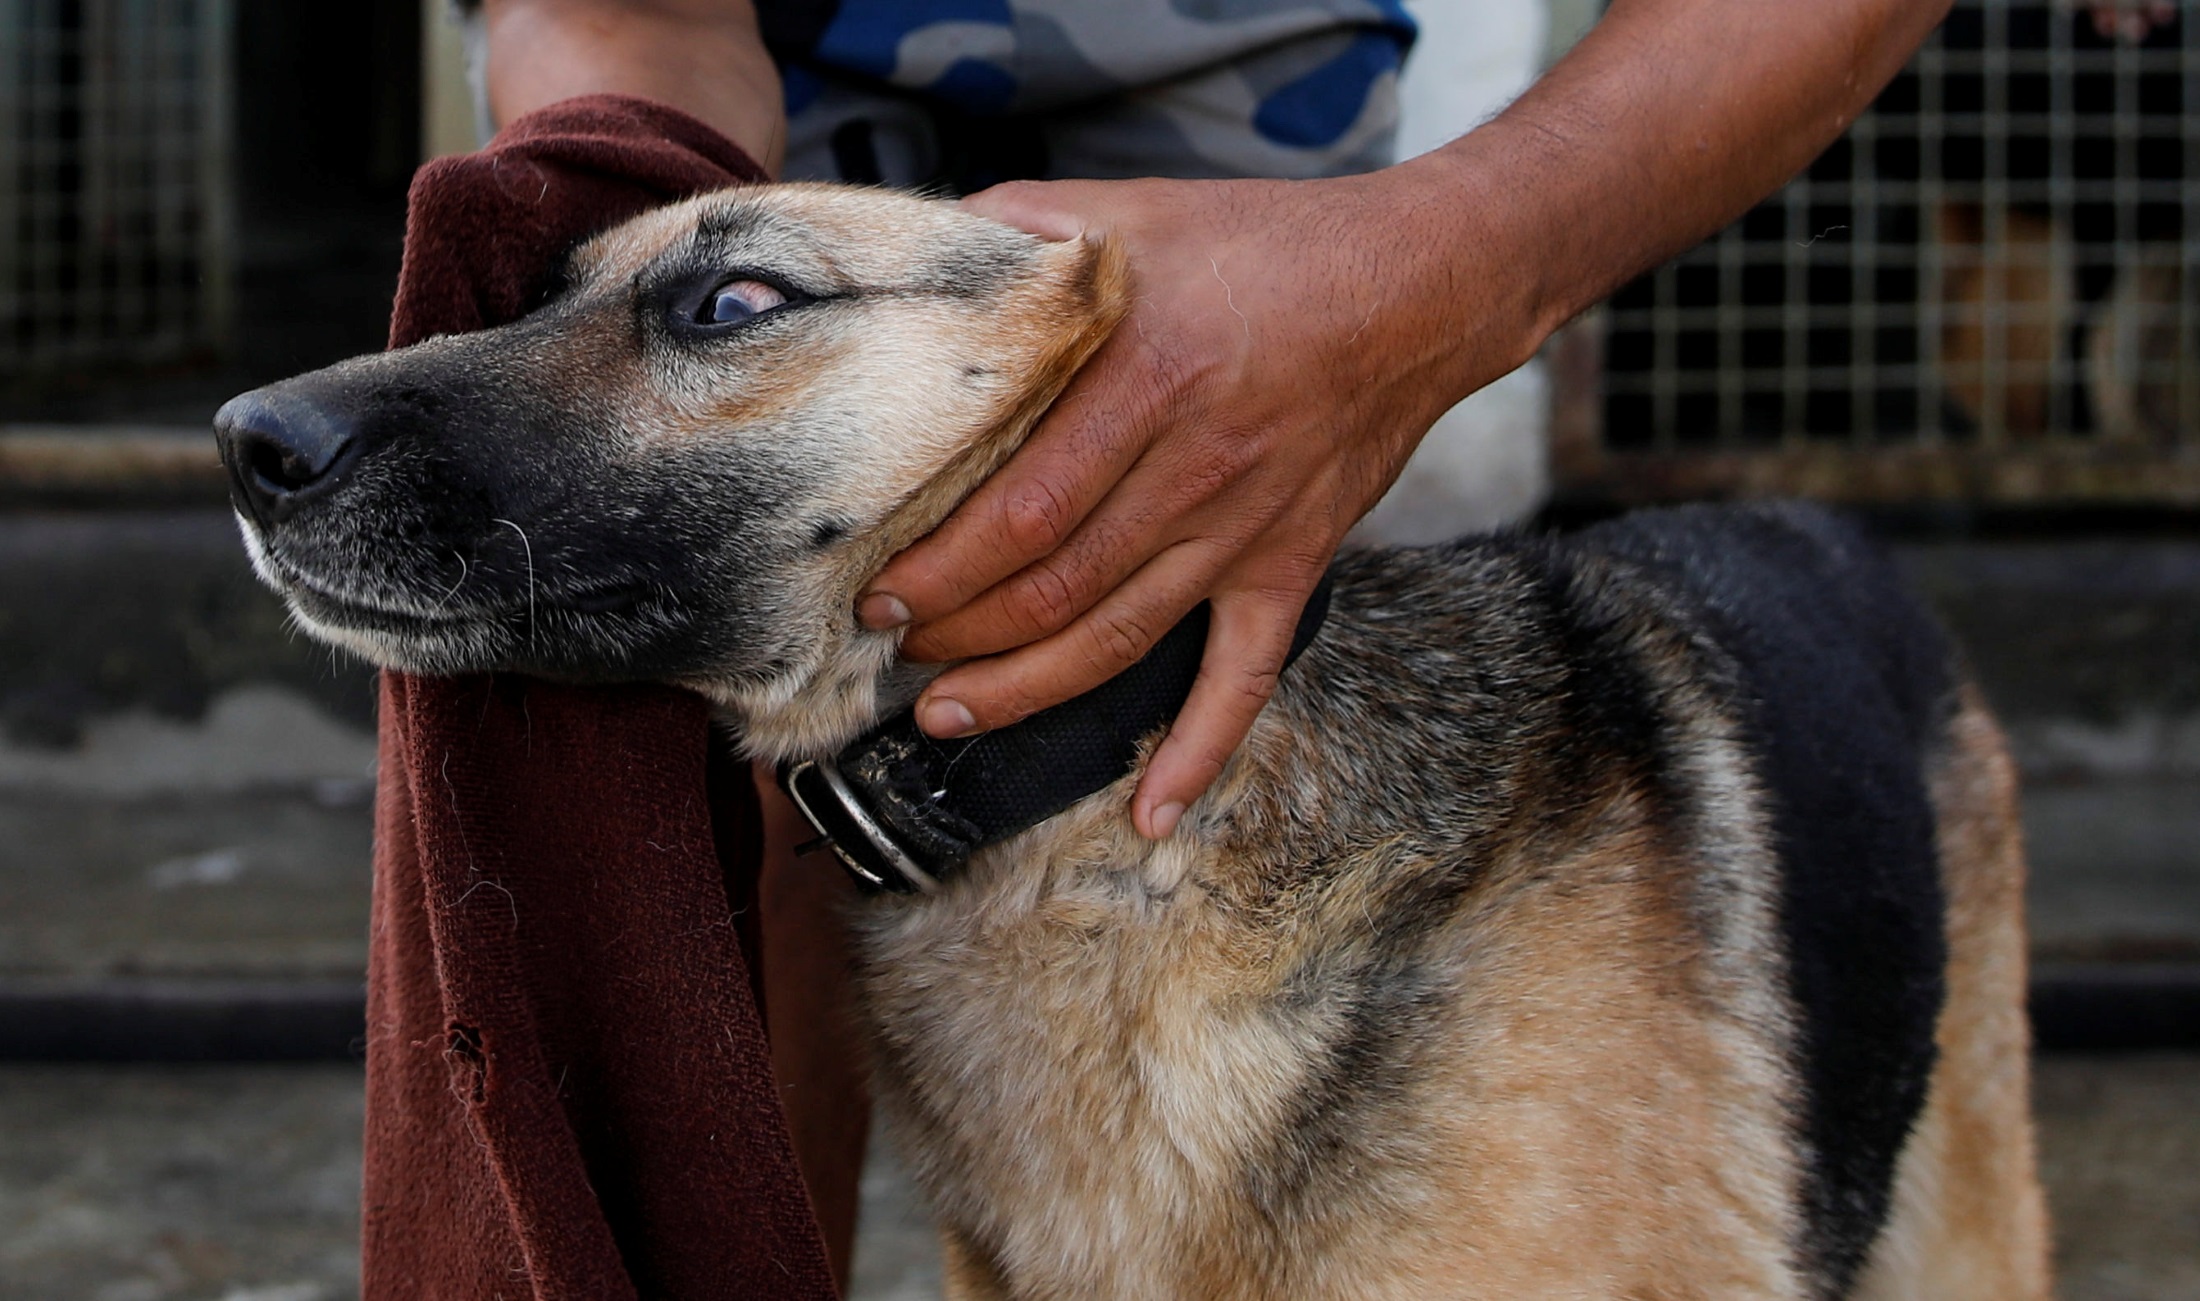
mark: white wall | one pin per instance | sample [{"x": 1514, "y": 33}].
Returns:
[{"x": 1486, "y": 461}]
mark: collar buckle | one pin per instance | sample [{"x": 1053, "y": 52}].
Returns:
[{"x": 863, "y": 845}]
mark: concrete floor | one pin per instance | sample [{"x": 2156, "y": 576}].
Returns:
[
  {"x": 240, "y": 1184},
  {"x": 2120, "y": 1153}
]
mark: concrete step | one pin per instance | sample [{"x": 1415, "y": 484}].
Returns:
[
  {"x": 271, "y": 884},
  {"x": 2089, "y": 650},
  {"x": 2120, "y": 1155},
  {"x": 232, "y": 845},
  {"x": 2115, "y": 869},
  {"x": 104, "y": 613},
  {"x": 238, "y": 846}
]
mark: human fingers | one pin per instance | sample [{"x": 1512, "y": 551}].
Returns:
[
  {"x": 1248, "y": 638},
  {"x": 1035, "y": 207},
  {"x": 1110, "y": 637},
  {"x": 1177, "y": 489},
  {"x": 1022, "y": 512}
]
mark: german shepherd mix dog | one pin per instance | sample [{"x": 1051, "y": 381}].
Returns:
[{"x": 1629, "y": 914}]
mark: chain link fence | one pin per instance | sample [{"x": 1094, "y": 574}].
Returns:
[
  {"x": 114, "y": 195},
  {"x": 1986, "y": 291}
]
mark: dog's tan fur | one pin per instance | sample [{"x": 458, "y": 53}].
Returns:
[
  {"x": 1562, "y": 1139},
  {"x": 1122, "y": 1068},
  {"x": 1969, "y": 1218},
  {"x": 2005, "y": 305}
]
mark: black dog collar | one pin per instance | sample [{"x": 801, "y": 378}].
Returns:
[{"x": 903, "y": 811}]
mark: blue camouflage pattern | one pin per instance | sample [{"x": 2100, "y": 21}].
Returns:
[{"x": 957, "y": 94}]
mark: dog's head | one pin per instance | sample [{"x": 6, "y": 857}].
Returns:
[{"x": 685, "y": 465}]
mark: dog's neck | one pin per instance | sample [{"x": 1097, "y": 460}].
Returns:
[
  {"x": 813, "y": 715},
  {"x": 908, "y": 811}
]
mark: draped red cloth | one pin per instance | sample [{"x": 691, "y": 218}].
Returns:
[{"x": 569, "y": 1092}]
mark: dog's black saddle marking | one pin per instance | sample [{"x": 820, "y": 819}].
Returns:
[{"x": 1845, "y": 686}]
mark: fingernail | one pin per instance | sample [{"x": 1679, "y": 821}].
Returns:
[
  {"x": 1165, "y": 819},
  {"x": 944, "y": 717},
  {"x": 882, "y": 612}
]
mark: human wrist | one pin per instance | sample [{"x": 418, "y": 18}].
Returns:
[{"x": 1472, "y": 266}]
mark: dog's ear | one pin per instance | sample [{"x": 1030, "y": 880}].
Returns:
[
  {"x": 1091, "y": 284},
  {"x": 1080, "y": 293}
]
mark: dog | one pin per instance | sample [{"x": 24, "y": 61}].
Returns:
[
  {"x": 2010, "y": 308},
  {"x": 2005, "y": 310},
  {"x": 1635, "y": 913}
]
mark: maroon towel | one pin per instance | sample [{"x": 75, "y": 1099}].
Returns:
[{"x": 568, "y": 1088}]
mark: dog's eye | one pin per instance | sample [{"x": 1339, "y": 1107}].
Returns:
[{"x": 737, "y": 300}]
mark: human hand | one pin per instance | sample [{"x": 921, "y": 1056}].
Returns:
[
  {"x": 2130, "y": 20},
  {"x": 1286, "y": 351}
]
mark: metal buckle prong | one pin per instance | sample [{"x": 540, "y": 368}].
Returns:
[{"x": 876, "y": 836}]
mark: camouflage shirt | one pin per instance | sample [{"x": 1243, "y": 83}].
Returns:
[{"x": 959, "y": 94}]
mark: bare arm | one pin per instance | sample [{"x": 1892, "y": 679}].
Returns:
[
  {"x": 703, "y": 57},
  {"x": 1293, "y": 340}
]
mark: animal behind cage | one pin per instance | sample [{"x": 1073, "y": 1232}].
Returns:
[
  {"x": 114, "y": 214},
  {"x": 1986, "y": 290}
]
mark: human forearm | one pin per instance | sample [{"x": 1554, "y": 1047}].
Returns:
[
  {"x": 703, "y": 57},
  {"x": 1669, "y": 120}
]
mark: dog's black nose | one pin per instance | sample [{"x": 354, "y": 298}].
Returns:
[{"x": 282, "y": 450}]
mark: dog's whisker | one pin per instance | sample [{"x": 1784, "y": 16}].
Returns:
[
  {"x": 529, "y": 549},
  {"x": 465, "y": 571}
]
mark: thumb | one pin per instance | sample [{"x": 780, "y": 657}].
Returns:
[{"x": 1034, "y": 207}]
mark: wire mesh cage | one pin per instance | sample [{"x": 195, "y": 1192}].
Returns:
[
  {"x": 1986, "y": 290},
  {"x": 114, "y": 218}
]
